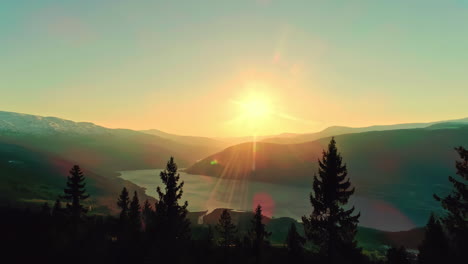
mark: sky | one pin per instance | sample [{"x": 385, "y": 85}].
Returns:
[{"x": 235, "y": 68}]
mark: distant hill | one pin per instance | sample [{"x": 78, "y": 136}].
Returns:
[
  {"x": 395, "y": 170},
  {"x": 205, "y": 142},
  {"x": 340, "y": 130},
  {"x": 383, "y": 151}
]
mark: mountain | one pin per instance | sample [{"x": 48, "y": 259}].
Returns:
[
  {"x": 340, "y": 130},
  {"x": 395, "y": 171},
  {"x": 204, "y": 142},
  {"x": 97, "y": 146},
  {"x": 383, "y": 151},
  {"x": 36, "y": 153}
]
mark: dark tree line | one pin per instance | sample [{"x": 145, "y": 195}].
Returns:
[
  {"x": 162, "y": 232},
  {"x": 446, "y": 238}
]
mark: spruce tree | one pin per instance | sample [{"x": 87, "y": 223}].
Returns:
[
  {"x": 295, "y": 244},
  {"x": 134, "y": 214},
  {"x": 147, "y": 215},
  {"x": 123, "y": 203},
  {"x": 226, "y": 229},
  {"x": 434, "y": 247},
  {"x": 171, "y": 223},
  {"x": 456, "y": 205},
  {"x": 75, "y": 194},
  {"x": 330, "y": 226},
  {"x": 258, "y": 233}
]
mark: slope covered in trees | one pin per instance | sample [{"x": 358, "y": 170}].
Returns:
[{"x": 29, "y": 178}]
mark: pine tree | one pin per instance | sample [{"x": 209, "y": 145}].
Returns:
[
  {"x": 456, "y": 205},
  {"x": 295, "y": 244},
  {"x": 171, "y": 223},
  {"x": 226, "y": 229},
  {"x": 75, "y": 194},
  {"x": 434, "y": 247},
  {"x": 397, "y": 256},
  {"x": 135, "y": 214},
  {"x": 330, "y": 226},
  {"x": 258, "y": 233},
  {"x": 147, "y": 215},
  {"x": 123, "y": 203}
]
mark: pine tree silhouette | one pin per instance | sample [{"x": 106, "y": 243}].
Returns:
[
  {"x": 123, "y": 203},
  {"x": 134, "y": 214},
  {"x": 434, "y": 247},
  {"x": 258, "y": 233},
  {"x": 171, "y": 224},
  {"x": 456, "y": 205},
  {"x": 75, "y": 194},
  {"x": 331, "y": 226},
  {"x": 147, "y": 216},
  {"x": 226, "y": 229},
  {"x": 295, "y": 244},
  {"x": 397, "y": 256}
]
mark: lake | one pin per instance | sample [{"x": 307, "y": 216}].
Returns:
[{"x": 378, "y": 210}]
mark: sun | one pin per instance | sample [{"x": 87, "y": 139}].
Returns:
[
  {"x": 255, "y": 107},
  {"x": 255, "y": 111}
]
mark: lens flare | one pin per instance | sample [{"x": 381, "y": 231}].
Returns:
[{"x": 266, "y": 201}]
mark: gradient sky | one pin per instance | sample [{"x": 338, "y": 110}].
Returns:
[{"x": 186, "y": 67}]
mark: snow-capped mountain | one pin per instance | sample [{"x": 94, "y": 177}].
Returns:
[{"x": 39, "y": 125}]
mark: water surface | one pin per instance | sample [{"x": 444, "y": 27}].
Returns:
[{"x": 378, "y": 210}]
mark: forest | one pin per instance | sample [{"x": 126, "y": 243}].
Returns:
[{"x": 161, "y": 232}]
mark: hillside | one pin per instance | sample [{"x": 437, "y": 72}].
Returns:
[
  {"x": 30, "y": 178},
  {"x": 393, "y": 171},
  {"x": 384, "y": 153},
  {"x": 340, "y": 130},
  {"x": 204, "y": 142}
]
